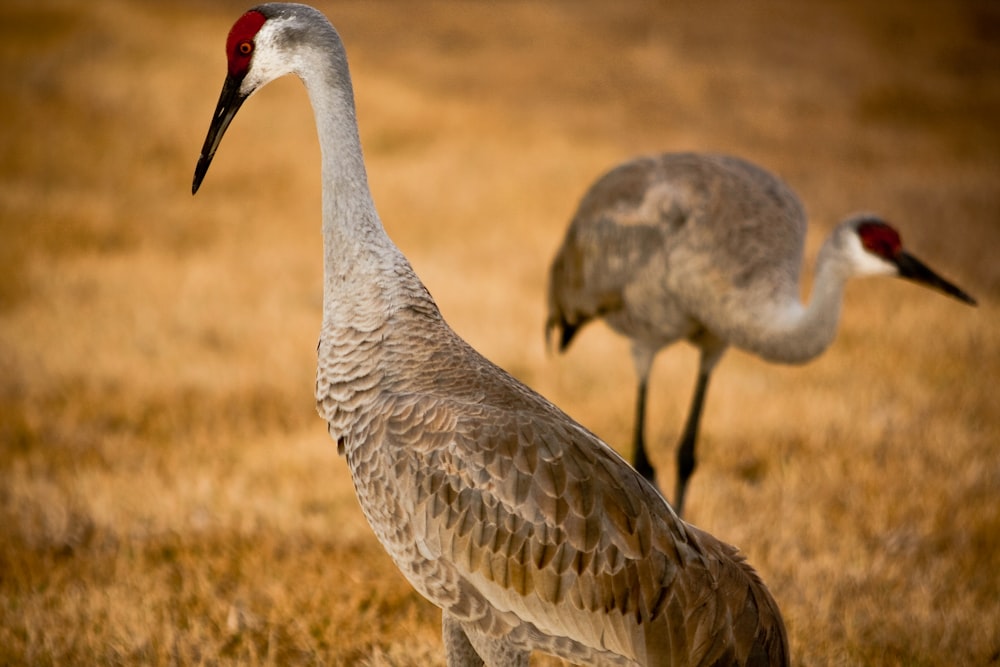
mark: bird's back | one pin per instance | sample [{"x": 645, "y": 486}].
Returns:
[
  {"x": 521, "y": 524},
  {"x": 663, "y": 246}
]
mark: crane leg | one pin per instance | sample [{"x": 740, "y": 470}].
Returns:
[
  {"x": 467, "y": 647},
  {"x": 711, "y": 351},
  {"x": 642, "y": 357},
  {"x": 640, "y": 461},
  {"x": 686, "y": 460},
  {"x": 458, "y": 649}
]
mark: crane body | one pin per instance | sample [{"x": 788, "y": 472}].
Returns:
[
  {"x": 529, "y": 532},
  {"x": 708, "y": 249}
]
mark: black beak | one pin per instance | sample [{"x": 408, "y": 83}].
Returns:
[
  {"x": 913, "y": 269},
  {"x": 230, "y": 102}
]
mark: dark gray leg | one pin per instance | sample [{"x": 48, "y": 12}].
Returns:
[
  {"x": 458, "y": 651},
  {"x": 711, "y": 352},
  {"x": 640, "y": 461},
  {"x": 686, "y": 461},
  {"x": 469, "y": 647},
  {"x": 642, "y": 358}
]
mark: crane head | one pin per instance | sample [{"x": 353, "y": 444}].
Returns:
[
  {"x": 881, "y": 242},
  {"x": 240, "y": 46},
  {"x": 265, "y": 43}
]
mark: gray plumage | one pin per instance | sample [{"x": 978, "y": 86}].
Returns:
[
  {"x": 523, "y": 527},
  {"x": 708, "y": 248}
]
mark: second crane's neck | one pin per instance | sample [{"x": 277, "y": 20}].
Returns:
[
  {"x": 366, "y": 277},
  {"x": 797, "y": 333}
]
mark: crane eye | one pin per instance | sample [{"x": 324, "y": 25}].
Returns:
[{"x": 245, "y": 48}]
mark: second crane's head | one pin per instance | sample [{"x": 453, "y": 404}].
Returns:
[
  {"x": 266, "y": 43},
  {"x": 872, "y": 247}
]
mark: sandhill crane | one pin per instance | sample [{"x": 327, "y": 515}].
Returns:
[
  {"x": 522, "y": 526},
  {"x": 708, "y": 248}
]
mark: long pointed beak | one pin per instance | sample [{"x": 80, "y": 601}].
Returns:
[
  {"x": 913, "y": 269},
  {"x": 230, "y": 101}
]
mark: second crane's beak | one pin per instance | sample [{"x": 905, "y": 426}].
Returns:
[
  {"x": 913, "y": 269},
  {"x": 230, "y": 102}
]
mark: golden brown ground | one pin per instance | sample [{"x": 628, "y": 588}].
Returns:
[{"x": 167, "y": 493}]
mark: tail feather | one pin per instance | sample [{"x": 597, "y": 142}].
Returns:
[
  {"x": 768, "y": 640},
  {"x": 739, "y": 623},
  {"x": 566, "y": 332}
]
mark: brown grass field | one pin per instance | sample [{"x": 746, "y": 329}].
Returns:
[{"x": 168, "y": 494}]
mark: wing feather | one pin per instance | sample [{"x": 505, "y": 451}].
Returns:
[
  {"x": 529, "y": 521},
  {"x": 558, "y": 526}
]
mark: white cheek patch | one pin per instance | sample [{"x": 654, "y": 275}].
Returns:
[
  {"x": 866, "y": 263},
  {"x": 269, "y": 62}
]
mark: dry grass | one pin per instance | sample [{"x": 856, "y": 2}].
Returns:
[{"x": 167, "y": 494}]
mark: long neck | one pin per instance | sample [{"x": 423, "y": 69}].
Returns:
[
  {"x": 800, "y": 333},
  {"x": 370, "y": 293},
  {"x": 366, "y": 277}
]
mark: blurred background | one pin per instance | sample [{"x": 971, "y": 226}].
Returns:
[{"x": 168, "y": 494}]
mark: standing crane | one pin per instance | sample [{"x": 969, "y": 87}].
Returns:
[
  {"x": 528, "y": 531},
  {"x": 708, "y": 248}
]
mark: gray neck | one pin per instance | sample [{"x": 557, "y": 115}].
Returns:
[
  {"x": 797, "y": 333},
  {"x": 366, "y": 278},
  {"x": 373, "y": 302}
]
